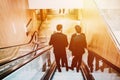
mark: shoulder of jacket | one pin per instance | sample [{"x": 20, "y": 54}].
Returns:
[
  {"x": 74, "y": 34},
  {"x": 63, "y": 34},
  {"x": 83, "y": 34}
]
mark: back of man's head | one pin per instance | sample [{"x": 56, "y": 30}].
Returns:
[
  {"x": 78, "y": 29},
  {"x": 59, "y": 27}
]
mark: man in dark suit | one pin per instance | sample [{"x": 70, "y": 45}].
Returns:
[
  {"x": 59, "y": 42},
  {"x": 77, "y": 45}
]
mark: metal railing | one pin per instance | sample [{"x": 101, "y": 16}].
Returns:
[{"x": 21, "y": 61}]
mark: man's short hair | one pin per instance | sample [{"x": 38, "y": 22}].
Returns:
[
  {"x": 59, "y": 27},
  {"x": 78, "y": 29}
]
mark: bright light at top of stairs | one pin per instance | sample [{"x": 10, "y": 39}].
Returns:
[{"x": 54, "y": 4}]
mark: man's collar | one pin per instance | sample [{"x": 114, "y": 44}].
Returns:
[
  {"x": 58, "y": 31},
  {"x": 78, "y": 33}
]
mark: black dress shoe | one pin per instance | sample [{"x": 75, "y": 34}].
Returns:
[
  {"x": 67, "y": 69},
  {"x": 71, "y": 68},
  {"x": 63, "y": 65},
  {"x": 59, "y": 70},
  {"x": 77, "y": 70}
]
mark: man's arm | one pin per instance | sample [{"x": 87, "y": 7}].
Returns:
[
  {"x": 71, "y": 43},
  {"x": 66, "y": 41},
  {"x": 51, "y": 40}
]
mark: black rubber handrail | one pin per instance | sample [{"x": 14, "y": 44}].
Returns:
[
  {"x": 86, "y": 72},
  {"x": 29, "y": 22},
  {"x": 20, "y": 44},
  {"x": 24, "y": 43},
  {"x": 106, "y": 61},
  {"x": 3, "y": 63},
  {"x": 11, "y": 70},
  {"x": 50, "y": 72}
]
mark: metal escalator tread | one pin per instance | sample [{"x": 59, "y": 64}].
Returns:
[{"x": 68, "y": 75}]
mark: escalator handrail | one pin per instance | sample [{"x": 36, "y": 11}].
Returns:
[
  {"x": 29, "y": 22},
  {"x": 24, "y": 43},
  {"x": 114, "y": 39},
  {"x": 11, "y": 70},
  {"x": 3, "y": 63},
  {"x": 50, "y": 72},
  {"x": 107, "y": 62},
  {"x": 86, "y": 72},
  {"x": 112, "y": 34},
  {"x": 21, "y": 44}
]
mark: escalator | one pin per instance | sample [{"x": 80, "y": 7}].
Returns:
[
  {"x": 24, "y": 60},
  {"x": 67, "y": 75},
  {"x": 106, "y": 71},
  {"x": 101, "y": 69},
  {"x": 36, "y": 67},
  {"x": 53, "y": 74},
  {"x": 39, "y": 67},
  {"x": 28, "y": 67},
  {"x": 42, "y": 67}
]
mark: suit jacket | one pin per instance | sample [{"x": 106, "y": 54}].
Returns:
[
  {"x": 59, "y": 42},
  {"x": 78, "y": 43}
]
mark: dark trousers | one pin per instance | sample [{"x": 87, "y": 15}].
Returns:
[
  {"x": 61, "y": 58},
  {"x": 65, "y": 61},
  {"x": 76, "y": 62},
  {"x": 90, "y": 60}
]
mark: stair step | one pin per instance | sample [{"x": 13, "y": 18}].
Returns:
[{"x": 67, "y": 75}]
